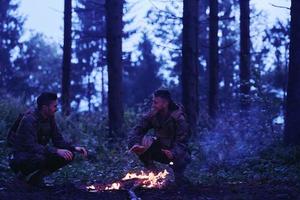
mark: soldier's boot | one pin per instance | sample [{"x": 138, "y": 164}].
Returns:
[
  {"x": 37, "y": 178},
  {"x": 19, "y": 183}
]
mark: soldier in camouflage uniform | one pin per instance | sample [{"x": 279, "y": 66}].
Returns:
[
  {"x": 32, "y": 158},
  {"x": 171, "y": 135}
]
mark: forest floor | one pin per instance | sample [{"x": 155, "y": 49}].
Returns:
[
  {"x": 223, "y": 166},
  {"x": 266, "y": 191}
]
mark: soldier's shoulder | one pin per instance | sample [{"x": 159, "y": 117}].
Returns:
[{"x": 29, "y": 116}]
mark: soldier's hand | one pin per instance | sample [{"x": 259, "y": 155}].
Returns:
[
  {"x": 168, "y": 153},
  {"x": 147, "y": 141},
  {"x": 66, "y": 154},
  {"x": 82, "y": 150},
  {"x": 138, "y": 149}
]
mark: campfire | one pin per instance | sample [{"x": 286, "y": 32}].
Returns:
[{"x": 134, "y": 180}]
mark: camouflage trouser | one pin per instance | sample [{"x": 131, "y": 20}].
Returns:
[
  {"x": 27, "y": 163},
  {"x": 155, "y": 153}
]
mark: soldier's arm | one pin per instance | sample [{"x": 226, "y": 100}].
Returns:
[
  {"x": 58, "y": 140},
  {"x": 27, "y": 135},
  {"x": 182, "y": 136},
  {"x": 138, "y": 132}
]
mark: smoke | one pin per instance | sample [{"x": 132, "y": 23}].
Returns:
[{"x": 238, "y": 135}]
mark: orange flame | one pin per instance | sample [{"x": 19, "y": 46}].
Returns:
[{"x": 147, "y": 180}]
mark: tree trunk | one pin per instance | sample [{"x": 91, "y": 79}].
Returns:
[
  {"x": 213, "y": 59},
  {"x": 114, "y": 25},
  {"x": 245, "y": 53},
  {"x": 292, "y": 119},
  {"x": 103, "y": 99},
  {"x": 190, "y": 69},
  {"x": 66, "y": 58},
  {"x": 89, "y": 93},
  {"x": 103, "y": 96}
]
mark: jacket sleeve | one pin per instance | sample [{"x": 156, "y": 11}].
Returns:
[
  {"x": 138, "y": 132},
  {"x": 28, "y": 140},
  {"x": 182, "y": 136},
  {"x": 58, "y": 140}
]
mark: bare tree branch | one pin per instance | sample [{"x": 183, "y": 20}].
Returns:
[
  {"x": 172, "y": 15},
  {"x": 276, "y": 6}
]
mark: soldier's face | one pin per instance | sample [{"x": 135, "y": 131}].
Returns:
[
  {"x": 51, "y": 109},
  {"x": 159, "y": 104}
]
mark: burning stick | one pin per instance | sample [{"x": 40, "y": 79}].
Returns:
[{"x": 131, "y": 193}]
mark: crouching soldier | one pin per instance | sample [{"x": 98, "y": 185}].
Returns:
[
  {"x": 32, "y": 158},
  {"x": 169, "y": 145}
]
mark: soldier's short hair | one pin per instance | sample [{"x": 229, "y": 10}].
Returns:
[
  {"x": 163, "y": 93},
  {"x": 45, "y": 99}
]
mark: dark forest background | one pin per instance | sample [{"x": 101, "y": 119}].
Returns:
[{"x": 237, "y": 78}]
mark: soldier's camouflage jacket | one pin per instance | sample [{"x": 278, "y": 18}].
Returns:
[{"x": 172, "y": 132}]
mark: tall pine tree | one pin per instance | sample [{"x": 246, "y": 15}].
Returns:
[
  {"x": 190, "y": 68},
  {"x": 89, "y": 51},
  {"x": 143, "y": 78},
  {"x": 245, "y": 53},
  {"x": 292, "y": 120},
  {"x": 213, "y": 59},
  {"x": 114, "y": 27},
  {"x": 11, "y": 28},
  {"x": 66, "y": 65}
]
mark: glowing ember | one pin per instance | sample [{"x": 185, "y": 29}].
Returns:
[
  {"x": 147, "y": 180},
  {"x": 114, "y": 186},
  {"x": 91, "y": 187}
]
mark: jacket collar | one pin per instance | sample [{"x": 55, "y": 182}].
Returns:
[{"x": 40, "y": 117}]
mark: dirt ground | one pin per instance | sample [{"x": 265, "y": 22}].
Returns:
[{"x": 275, "y": 191}]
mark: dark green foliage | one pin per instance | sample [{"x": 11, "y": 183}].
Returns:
[
  {"x": 278, "y": 37},
  {"x": 38, "y": 67},
  {"x": 228, "y": 58},
  {"x": 143, "y": 78},
  {"x": 10, "y": 32},
  {"x": 9, "y": 111},
  {"x": 89, "y": 50}
]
